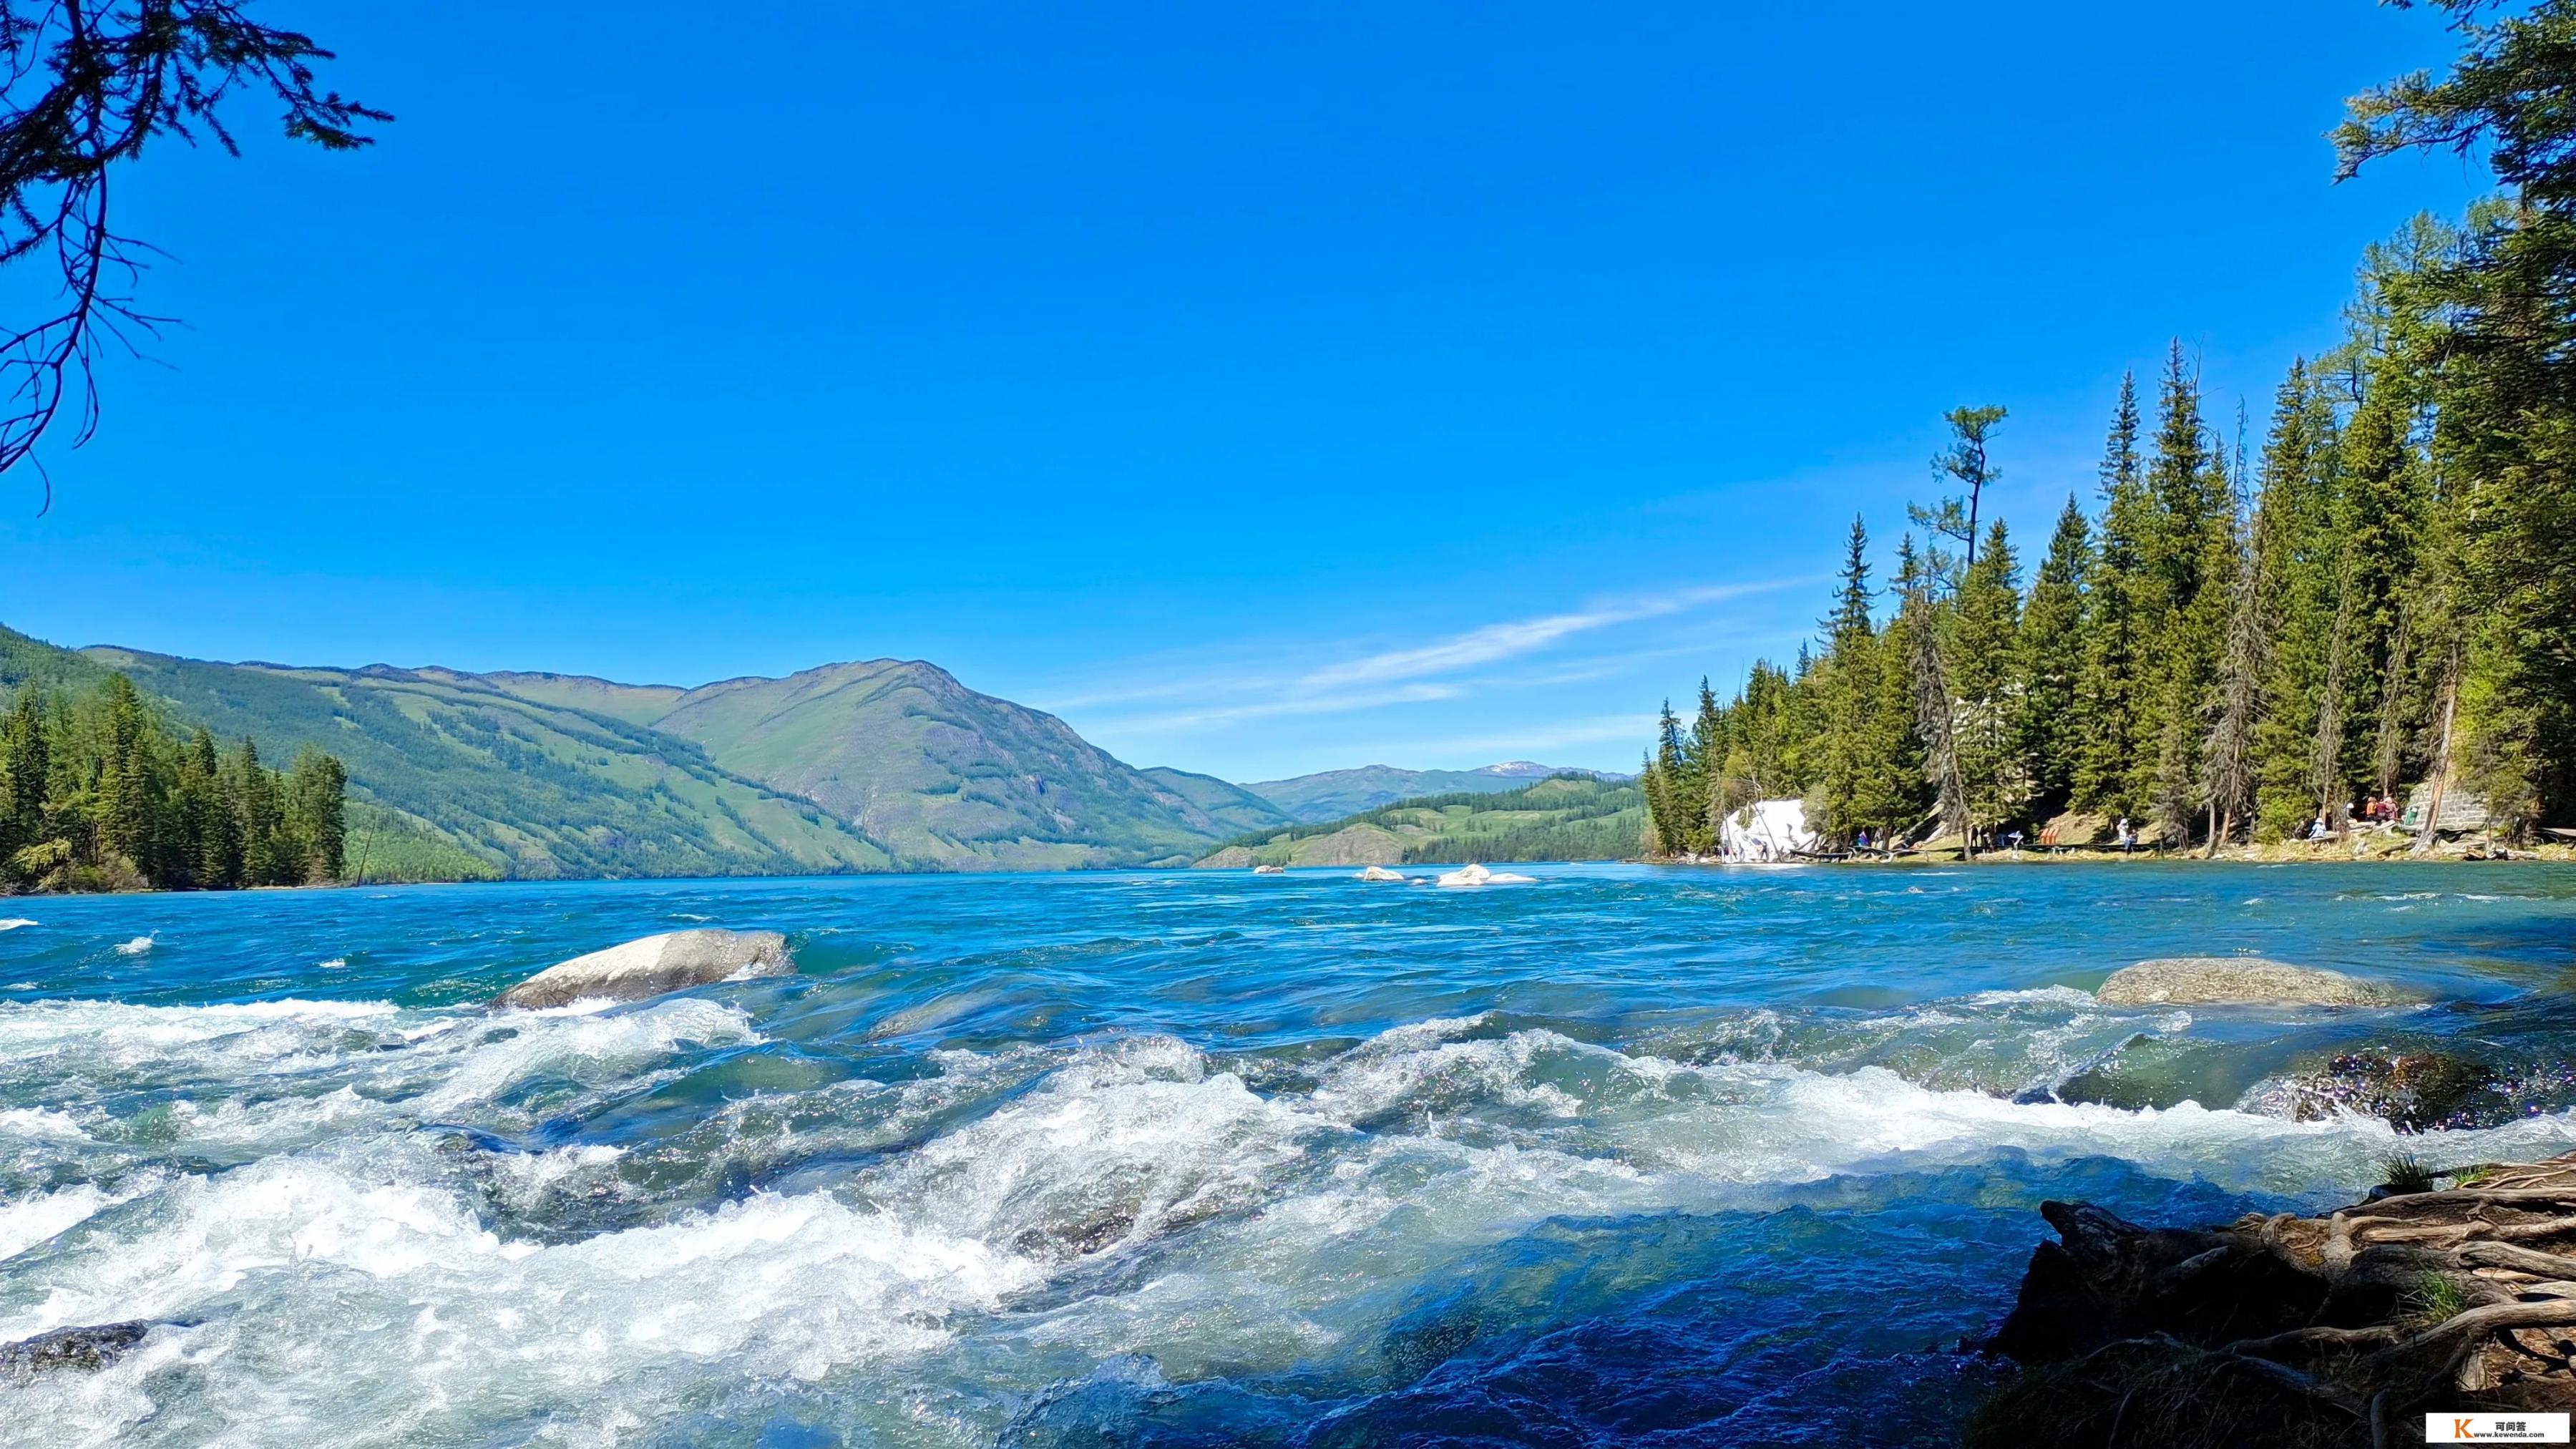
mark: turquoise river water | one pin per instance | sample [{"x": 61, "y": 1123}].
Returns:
[{"x": 1624, "y": 1156}]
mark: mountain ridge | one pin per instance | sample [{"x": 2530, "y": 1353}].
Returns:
[{"x": 1333, "y": 794}]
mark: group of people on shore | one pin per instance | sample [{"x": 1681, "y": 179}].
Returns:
[{"x": 2378, "y": 813}]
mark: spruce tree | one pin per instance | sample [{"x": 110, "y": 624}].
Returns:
[
  {"x": 1980, "y": 637},
  {"x": 2297, "y": 556},
  {"x": 1703, "y": 764},
  {"x": 26, "y": 772},
  {"x": 1851, "y": 689},
  {"x": 266, "y": 858},
  {"x": 2107, "y": 766},
  {"x": 2189, "y": 559},
  {"x": 124, "y": 810},
  {"x": 314, "y": 816},
  {"x": 2049, "y": 728}
]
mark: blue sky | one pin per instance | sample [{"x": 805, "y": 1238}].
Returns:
[{"x": 1264, "y": 389}]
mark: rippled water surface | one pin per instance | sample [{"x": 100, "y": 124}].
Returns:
[{"x": 1623, "y": 1156}]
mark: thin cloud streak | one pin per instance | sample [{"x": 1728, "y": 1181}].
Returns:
[
  {"x": 1274, "y": 708},
  {"x": 1495, "y": 642}
]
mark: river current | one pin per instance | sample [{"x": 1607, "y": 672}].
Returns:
[{"x": 1624, "y": 1156}]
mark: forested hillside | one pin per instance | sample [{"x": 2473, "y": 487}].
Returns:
[
  {"x": 451, "y": 778},
  {"x": 1568, "y": 817},
  {"x": 872, "y": 766},
  {"x": 1332, "y": 794},
  {"x": 2226, "y": 646}
]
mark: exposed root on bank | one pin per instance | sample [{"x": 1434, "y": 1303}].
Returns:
[{"x": 2295, "y": 1332}]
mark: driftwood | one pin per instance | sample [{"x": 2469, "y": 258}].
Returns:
[{"x": 2292, "y": 1330}]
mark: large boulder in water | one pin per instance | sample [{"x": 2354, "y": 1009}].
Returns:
[
  {"x": 653, "y": 965},
  {"x": 69, "y": 1350},
  {"x": 2237, "y": 981}
]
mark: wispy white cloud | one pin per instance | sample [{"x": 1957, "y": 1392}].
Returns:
[
  {"x": 1213, "y": 699},
  {"x": 1511, "y": 638}
]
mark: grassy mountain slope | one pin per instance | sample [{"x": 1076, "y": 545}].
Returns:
[
  {"x": 1314, "y": 799},
  {"x": 450, "y": 776},
  {"x": 1234, "y": 809},
  {"x": 637, "y": 704},
  {"x": 941, "y": 773},
  {"x": 1564, "y": 818}
]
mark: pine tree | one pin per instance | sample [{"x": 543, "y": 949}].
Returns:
[
  {"x": 1851, "y": 688},
  {"x": 314, "y": 816},
  {"x": 266, "y": 858},
  {"x": 2108, "y": 767},
  {"x": 1663, "y": 782},
  {"x": 2376, "y": 518},
  {"x": 2296, "y": 559},
  {"x": 2049, "y": 729},
  {"x": 2189, "y": 558},
  {"x": 25, "y": 772},
  {"x": 2227, "y": 756},
  {"x": 214, "y": 832},
  {"x": 1703, "y": 764},
  {"x": 123, "y": 809},
  {"x": 1980, "y": 638}
]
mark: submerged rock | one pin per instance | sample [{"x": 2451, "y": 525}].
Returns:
[
  {"x": 2237, "y": 981},
  {"x": 69, "y": 1350},
  {"x": 653, "y": 965},
  {"x": 2414, "y": 1091}
]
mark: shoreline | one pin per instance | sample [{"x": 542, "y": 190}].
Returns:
[{"x": 2283, "y": 853}]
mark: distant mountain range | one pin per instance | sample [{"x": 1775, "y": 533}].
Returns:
[
  {"x": 1558, "y": 818},
  {"x": 1309, "y": 799},
  {"x": 880, "y": 765}
]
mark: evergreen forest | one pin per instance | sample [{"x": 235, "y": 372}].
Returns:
[
  {"x": 98, "y": 793},
  {"x": 2252, "y": 624}
]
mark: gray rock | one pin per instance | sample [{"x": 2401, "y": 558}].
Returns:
[
  {"x": 69, "y": 1350},
  {"x": 653, "y": 965},
  {"x": 2237, "y": 981},
  {"x": 2411, "y": 1090}
]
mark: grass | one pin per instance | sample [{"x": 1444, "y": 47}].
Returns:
[
  {"x": 2404, "y": 1172},
  {"x": 2434, "y": 1298}
]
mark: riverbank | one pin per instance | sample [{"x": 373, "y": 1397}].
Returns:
[
  {"x": 2440, "y": 1292},
  {"x": 2365, "y": 850}
]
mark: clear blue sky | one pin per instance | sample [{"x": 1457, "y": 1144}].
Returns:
[{"x": 1264, "y": 389}]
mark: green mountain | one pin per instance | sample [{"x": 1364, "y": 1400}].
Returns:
[
  {"x": 1231, "y": 806},
  {"x": 1567, "y": 817},
  {"x": 453, "y": 764},
  {"x": 947, "y": 776},
  {"x": 1310, "y": 799},
  {"x": 869, "y": 766}
]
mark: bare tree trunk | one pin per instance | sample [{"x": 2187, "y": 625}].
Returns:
[
  {"x": 2392, "y": 720},
  {"x": 2429, "y": 832},
  {"x": 1934, "y": 713},
  {"x": 2329, "y": 761}
]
